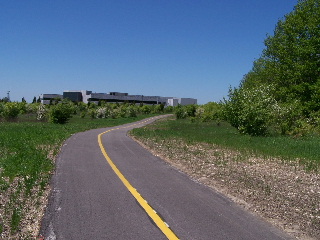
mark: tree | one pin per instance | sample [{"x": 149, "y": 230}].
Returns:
[
  {"x": 23, "y": 100},
  {"x": 5, "y": 99},
  {"x": 291, "y": 59},
  {"x": 34, "y": 100}
]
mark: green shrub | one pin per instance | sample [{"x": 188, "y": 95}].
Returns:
[
  {"x": 1, "y": 108},
  {"x": 83, "y": 114},
  {"x": 146, "y": 109},
  {"x": 132, "y": 111},
  {"x": 61, "y": 112},
  {"x": 168, "y": 109},
  {"x": 11, "y": 110},
  {"x": 210, "y": 111},
  {"x": 180, "y": 112},
  {"x": 81, "y": 106},
  {"x": 251, "y": 111},
  {"x": 32, "y": 107},
  {"x": 190, "y": 110}
]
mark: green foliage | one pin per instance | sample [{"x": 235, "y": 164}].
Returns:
[
  {"x": 168, "y": 109},
  {"x": 81, "y": 106},
  {"x": 146, "y": 109},
  {"x": 209, "y": 112},
  {"x": 290, "y": 64},
  {"x": 132, "y": 111},
  {"x": 159, "y": 108},
  {"x": 32, "y": 107},
  {"x": 251, "y": 111},
  {"x": 180, "y": 112},
  {"x": 11, "y": 110},
  {"x": 61, "y": 112},
  {"x": 83, "y": 114},
  {"x": 291, "y": 58},
  {"x": 191, "y": 110},
  {"x": 1, "y": 108}
]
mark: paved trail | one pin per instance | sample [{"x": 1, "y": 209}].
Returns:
[{"x": 89, "y": 200}]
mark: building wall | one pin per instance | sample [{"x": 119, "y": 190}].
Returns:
[
  {"x": 187, "y": 101},
  {"x": 87, "y": 96},
  {"x": 47, "y": 97}
]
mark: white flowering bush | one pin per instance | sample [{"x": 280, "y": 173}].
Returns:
[
  {"x": 251, "y": 111},
  {"x": 101, "y": 112},
  {"x": 41, "y": 112},
  {"x": 32, "y": 107}
]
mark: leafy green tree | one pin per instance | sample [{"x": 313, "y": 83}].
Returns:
[
  {"x": 291, "y": 58},
  {"x": 289, "y": 67}
]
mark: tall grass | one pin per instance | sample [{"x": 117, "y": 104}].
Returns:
[{"x": 306, "y": 150}]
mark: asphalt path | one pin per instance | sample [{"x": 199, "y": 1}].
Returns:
[{"x": 89, "y": 200}]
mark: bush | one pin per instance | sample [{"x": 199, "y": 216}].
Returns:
[
  {"x": 32, "y": 107},
  {"x": 1, "y": 108},
  {"x": 180, "y": 112},
  {"x": 190, "y": 110},
  {"x": 132, "y": 111},
  {"x": 101, "y": 112},
  {"x": 210, "y": 111},
  {"x": 11, "y": 110},
  {"x": 41, "y": 112},
  {"x": 168, "y": 109},
  {"x": 146, "y": 109},
  {"x": 61, "y": 112},
  {"x": 251, "y": 111}
]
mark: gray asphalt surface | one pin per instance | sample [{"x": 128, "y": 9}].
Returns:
[{"x": 88, "y": 201}]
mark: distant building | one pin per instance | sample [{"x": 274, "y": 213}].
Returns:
[
  {"x": 115, "y": 97},
  {"x": 48, "y": 98}
]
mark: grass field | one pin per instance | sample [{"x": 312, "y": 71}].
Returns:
[
  {"x": 27, "y": 151},
  {"x": 306, "y": 150}
]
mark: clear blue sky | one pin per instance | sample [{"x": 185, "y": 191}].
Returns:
[{"x": 170, "y": 48}]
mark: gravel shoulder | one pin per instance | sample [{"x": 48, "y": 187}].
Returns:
[{"x": 283, "y": 193}]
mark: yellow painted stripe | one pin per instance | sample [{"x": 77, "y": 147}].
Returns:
[{"x": 149, "y": 210}]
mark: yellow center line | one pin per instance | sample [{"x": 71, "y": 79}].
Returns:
[{"x": 144, "y": 204}]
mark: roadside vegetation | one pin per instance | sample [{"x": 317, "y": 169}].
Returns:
[
  {"x": 31, "y": 135},
  {"x": 261, "y": 144},
  {"x": 276, "y": 176}
]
